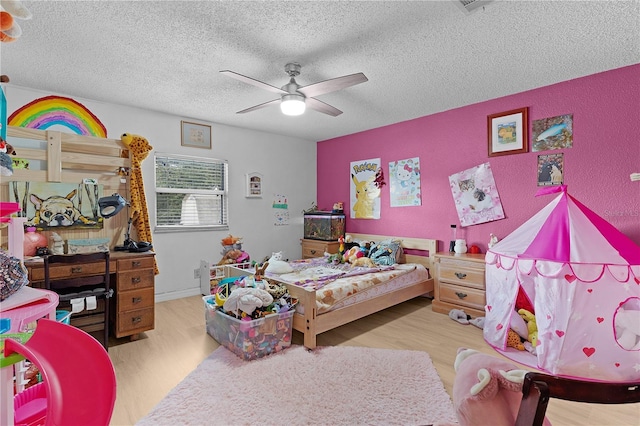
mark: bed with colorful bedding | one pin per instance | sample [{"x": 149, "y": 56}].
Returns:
[{"x": 330, "y": 295}]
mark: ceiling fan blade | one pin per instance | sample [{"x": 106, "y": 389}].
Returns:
[
  {"x": 260, "y": 106},
  {"x": 253, "y": 82},
  {"x": 328, "y": 86},
  {"x": 322, "y": 107}
]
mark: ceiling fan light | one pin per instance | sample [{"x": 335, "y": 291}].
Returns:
[{"x": 292, "y": 104}]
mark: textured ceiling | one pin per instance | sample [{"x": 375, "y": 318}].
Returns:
[{"x": 421, "y": 57}]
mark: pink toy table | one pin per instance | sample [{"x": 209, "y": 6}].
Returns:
[{"x": 24, "y": 307}]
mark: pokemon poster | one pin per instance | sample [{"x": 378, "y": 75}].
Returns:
[
  {"x": 50, "y": 206},
  {"x": 404, "y": 178},
  {"x": 367, "y": 180},
  {"x": 476, "y": 196}
]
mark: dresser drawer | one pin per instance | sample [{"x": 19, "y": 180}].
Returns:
[
  {"x": 461, "y": 275},
  {"x": 136, "y": 279},
  {"x": 135, "y": 264},
  {"x": 316, "y": 248},
  {"x": 133, "y": 320},
  {"x": 463, "y": 296},
  {"x": 67, "y": 271},
  {"x": 136, "y": 299}
]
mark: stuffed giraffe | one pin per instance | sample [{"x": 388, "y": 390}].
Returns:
[{"x": 139, "y": 149}]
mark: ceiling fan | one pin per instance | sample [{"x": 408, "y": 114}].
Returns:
[{"x": 294, "y": 98}]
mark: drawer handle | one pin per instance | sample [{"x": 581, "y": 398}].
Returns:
[
  {"x": 312, "y": 251},
  {"x": 135, "y": 263},
  {"x": 76, "y": 270},
  {"x": 135, "y": 300},
  {"x": 135, "y": 280},
  {"x": 136, "y": 320},
  {"x": 461, "y": 295},
  {"x": 461, "y": 276}
]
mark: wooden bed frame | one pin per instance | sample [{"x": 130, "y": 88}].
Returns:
[{"x": 311, "y": 323}]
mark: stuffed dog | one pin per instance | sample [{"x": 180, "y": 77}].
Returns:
[{"x": 57, "y": 211}]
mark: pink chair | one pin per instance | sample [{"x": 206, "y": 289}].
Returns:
[{"x": 77, "y": 374}]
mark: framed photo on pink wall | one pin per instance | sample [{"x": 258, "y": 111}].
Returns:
[{"x": 508, "y": 132}]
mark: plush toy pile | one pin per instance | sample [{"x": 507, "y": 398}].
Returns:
[
  {"x": 232, "y": 251},
  {"x": 251, "y": 297}
]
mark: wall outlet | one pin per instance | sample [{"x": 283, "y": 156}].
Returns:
[{"x": 196, "y": 273}]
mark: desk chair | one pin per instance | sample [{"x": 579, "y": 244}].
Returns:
[
  {"x": 538, "y": 388},
  {"x": 81, "y": 276},
  {"x": 76, "y": 371}
]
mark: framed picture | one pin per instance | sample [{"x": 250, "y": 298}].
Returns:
[
  {"x": 254, "y": 185},
  {"x": 550, "y": 169},
  {"x": 196, "y": 135},
  {"x": 508, "y": 132}
]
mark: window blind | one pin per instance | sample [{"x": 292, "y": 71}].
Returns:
[{"x": 191, "y": 192}]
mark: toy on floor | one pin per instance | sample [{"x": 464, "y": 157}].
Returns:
[
  {"x": 486, "y": 387},
  {"x": 514, "y": 341},
  {"x": 460, "y": 316},
  {"x": 532, "y": 327}
]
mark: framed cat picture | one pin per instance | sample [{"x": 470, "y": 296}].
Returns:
[{"x": 508, "y": 132}]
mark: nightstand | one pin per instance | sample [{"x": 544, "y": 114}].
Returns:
[
  {"x": 459, "y": 283},
  {"x": 317, "y": 248}
]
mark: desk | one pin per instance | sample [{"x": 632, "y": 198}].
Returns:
[
  {"x": 37, "y": 304},
  {"x": 132, "y": 279}
]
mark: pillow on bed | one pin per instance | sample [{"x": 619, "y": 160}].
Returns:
[{"x": 387, "y": 252}]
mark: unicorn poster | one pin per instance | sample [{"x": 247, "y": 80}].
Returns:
[
  {"x": 366, "y": 183},
  {"x": 476, "y": 196},
  {"x": 404, "y": 178}
]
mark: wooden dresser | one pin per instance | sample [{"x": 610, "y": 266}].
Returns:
[
  {"x": 317, "y": 248},
  {"x": 132, "y": 280},
  {"x": 459, "y": 283}
]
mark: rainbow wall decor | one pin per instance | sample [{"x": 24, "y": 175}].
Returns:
[{"x": 48, "y": 111}]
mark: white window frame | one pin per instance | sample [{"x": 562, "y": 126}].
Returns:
[{"x": 207, "y": 195}]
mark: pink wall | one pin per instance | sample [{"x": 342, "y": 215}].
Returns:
[{"x": 606, "y": 150}]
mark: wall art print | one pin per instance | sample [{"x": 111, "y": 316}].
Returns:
[
  {"x": 367, "y": 181},
  {"x": 58, "y": 113},
  {"x": 50, "y": 206},
  {"x": 476, "y": 196},
  {"x": 404, "y": 182},
  {"x": 552, "y": 133},
  {"x": 550, "y": 169}
]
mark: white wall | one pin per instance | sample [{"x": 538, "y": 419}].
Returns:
[{"x": 288, "y": 166}]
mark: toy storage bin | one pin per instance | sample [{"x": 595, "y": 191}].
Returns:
[
  {"x": 249, "y": 339},
  {"x": 325, "y": 226}
]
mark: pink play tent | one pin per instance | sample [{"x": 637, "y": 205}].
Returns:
[{"x": 582, "y": 278}]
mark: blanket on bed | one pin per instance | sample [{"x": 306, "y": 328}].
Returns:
[{"x": 318, "y": 272}]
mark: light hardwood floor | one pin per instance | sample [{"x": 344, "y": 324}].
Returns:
[{"x": 147, "y": 369}]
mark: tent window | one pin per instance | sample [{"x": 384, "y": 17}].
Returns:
[{"x": 191, "y": 193}]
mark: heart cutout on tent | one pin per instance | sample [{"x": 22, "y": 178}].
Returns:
[
  {"x": 590, "y": 290},
  {"x": 600, "y": 319},
  {"x": 588, "y": 351},
  {"x": 617, "y": 364},
  {"x": 637, "y": 280},
  {"x": 560, "y": 333},
  {"x": 489, "y": 308},
  {"x": 499, "y": 327},
  {"x": 570, "y": 278}
]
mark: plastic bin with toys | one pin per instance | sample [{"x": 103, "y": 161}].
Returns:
[{"x": 250, "y": 318}]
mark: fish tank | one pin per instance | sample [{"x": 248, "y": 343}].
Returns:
[{"x": 326, "y": 226}]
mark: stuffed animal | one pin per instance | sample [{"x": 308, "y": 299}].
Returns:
[
  {"x": 277, "y": 265},
  {"x": 260, "y": 271},
  {"x": 364, "y": 262},
  {"x": 231, "y": 256},
  {"x": 532, "y": 326},
  {"x": 6, "y": 163},
  {"x": 9, "y": 28},
  {"x": 514, "y": 341},
  {"x": 486, "y": 387},
  {"x": 627, "y": 325},
  {"x": 247, "y": 300}
]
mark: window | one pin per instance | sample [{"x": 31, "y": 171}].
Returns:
[{"x": 191, "y": 193}]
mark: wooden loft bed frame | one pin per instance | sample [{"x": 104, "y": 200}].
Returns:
[
  {"x": 311, "y": 323},
  {"x": 69, "y": 158}
]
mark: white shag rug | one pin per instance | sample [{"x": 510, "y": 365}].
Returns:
[{"x": 341, "y": 385}]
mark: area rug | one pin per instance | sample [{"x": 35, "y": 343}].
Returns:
[{"x": 340, "y": 385}]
